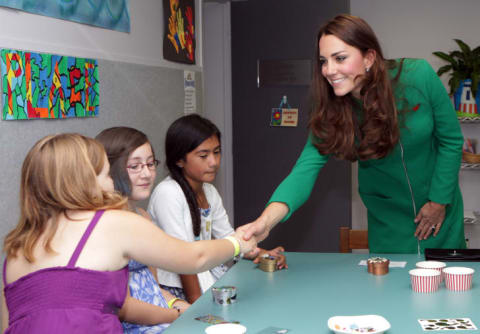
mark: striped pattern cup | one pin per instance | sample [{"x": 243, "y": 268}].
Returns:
[
  {"x": 458, "y": 278},
  {"x": 436, "y": 265},
  {"x": 425, "y": 280}
]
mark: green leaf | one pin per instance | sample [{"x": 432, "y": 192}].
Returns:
[
  {"x": 444, "y": 56},
  {"x": 444, "y": 69},
  {"x": 464, "y": 47}
]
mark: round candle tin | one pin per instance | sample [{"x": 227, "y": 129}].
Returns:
[{"x": 224, "y": 295}]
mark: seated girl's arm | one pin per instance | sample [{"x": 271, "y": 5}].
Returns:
[
  {"x": 4, "y": 313},
  {"x": 178, "y": 303},
  {"x": 191, "y": 287},
  {"x": 143, "y": 313},
  {"x": 135, "y": 237},
  {"x": 181, "y": 304}
]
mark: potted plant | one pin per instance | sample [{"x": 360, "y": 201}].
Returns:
[{"x": 464, "y": 70}]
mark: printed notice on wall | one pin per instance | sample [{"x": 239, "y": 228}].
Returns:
[
  {"x": 284, "y": 117},
  {"x": 190, "y": 95}
]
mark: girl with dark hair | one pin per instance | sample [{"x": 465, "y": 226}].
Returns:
[
  {"x": 395, "y": 118},
  {"x": 187, "y": 206},
  {"x": 147, "y": 307}
]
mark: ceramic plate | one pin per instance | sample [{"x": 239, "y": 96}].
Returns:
[
  {"x": 226, "y": 328},
  {"x": 373, "y": 324}
]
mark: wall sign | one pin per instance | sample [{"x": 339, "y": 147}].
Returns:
[
  {"x": 291, "y": 72},
  {"x": 284, "y": 115}
]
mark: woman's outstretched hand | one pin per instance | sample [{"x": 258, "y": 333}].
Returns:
[
  {"x": 246, "y": 246},
  {"x": 260, "y": 228},
  {"x": 257, "y": 229}
]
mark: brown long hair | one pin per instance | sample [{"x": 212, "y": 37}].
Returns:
[
  {"x": 333, "y": 121},
  {"x": 119, "y": 142},
  {"x": 58, "y": 174}
]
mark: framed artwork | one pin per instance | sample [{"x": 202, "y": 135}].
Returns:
[
  {"x": 109, "y": 14},
  {"x": 179, "y": 38},
  {"x": 37, "y": 85}
]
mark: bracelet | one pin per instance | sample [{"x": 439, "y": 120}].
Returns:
[
  {"x": 235, "y": 243},
  {"x": 172, "y": 301}
]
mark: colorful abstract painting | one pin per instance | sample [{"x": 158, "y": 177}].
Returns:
[
  {"x": 37, "y": 85},
  {"x": 109, "y": 14},
  {"x": 179, "y": 39}
]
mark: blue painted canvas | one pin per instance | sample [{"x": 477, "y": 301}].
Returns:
[{"x": 109, "y": 14}]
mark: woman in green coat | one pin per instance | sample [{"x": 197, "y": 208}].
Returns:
[{"x": 396, "y": 119}]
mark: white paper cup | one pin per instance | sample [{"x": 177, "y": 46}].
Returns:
[
  {"x": 425, "y": 280},
  {"x": 458, "y": 278},
  {"x": 436, "y": 265},
  {"x": 226, "y": 329}
]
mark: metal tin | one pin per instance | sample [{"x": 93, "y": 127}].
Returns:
[
  {"x": 268, "y": 264},
  {"x": 378, "y": 265},
  {"x": 224, "y": 295}
]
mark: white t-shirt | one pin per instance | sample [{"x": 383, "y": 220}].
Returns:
[{"x": 169, "y": 209}]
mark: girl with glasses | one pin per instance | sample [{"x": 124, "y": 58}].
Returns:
[{"x": 133, "y": 170}]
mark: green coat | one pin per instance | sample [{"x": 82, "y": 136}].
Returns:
[{"x": 432, "y": 142}]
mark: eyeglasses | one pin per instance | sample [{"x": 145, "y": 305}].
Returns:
[{"x": 138, "y": 167}]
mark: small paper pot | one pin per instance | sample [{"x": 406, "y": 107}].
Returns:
[
  {"x": 425, "y": 280},
  {"x": 226, "y": 328},
  {"x": 458, "y": 278},
  {"x": 435, "y": 265},
  {"x": 224, "y": 295}
]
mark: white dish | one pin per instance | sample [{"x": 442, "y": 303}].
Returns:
[
  {"x": 373, "y": 324},
  {"x": 226, "y": 328}
]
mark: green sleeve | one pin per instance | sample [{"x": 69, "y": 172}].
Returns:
[
  {"x": 448, "y": 139},
  {"x": 297, "y": 186}
]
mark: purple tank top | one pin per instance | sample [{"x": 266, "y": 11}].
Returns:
[{"x": 67, "y": 299}]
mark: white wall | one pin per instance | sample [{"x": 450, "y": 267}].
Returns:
[
  {"x": 218, "y": 90},
  {"x": 143, "y": 45},
  {"x": 416, "y": 28}
]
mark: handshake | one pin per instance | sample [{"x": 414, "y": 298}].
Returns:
[
  {"x": 249, "y": 235},
  {"x": 246, "y": 246}
]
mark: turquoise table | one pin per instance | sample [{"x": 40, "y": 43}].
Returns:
[{"x": 318, "y": 286}]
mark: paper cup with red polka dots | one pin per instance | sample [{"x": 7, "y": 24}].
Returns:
[
  {"x": 425, "y": 280},
  {"x": 458, "y": 278}
]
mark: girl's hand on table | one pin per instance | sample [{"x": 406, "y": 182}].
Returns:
[
  {"x": 277, "y": 252},
  {"x": 430, "y": 218}
]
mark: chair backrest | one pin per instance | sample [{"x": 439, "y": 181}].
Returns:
[{"x": 352, "y": 239}]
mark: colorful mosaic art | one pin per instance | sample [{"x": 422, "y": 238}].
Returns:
[{"x": 39, "y": 85}]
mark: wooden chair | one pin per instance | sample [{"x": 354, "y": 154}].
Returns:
[{"x": 352, "y": 239}]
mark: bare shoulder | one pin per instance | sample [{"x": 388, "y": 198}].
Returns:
[
  {"x": 124, "y": 217},
  {"x": 143, "y": 213}
]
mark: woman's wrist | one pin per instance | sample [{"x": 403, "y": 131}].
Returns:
[
  {"x": 437, "y": 205},
  {"x": 274, "y": 213}
]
